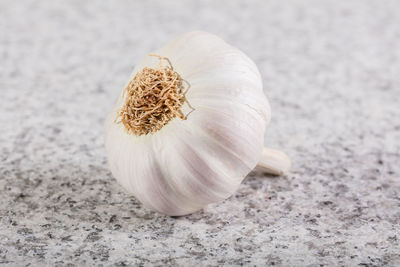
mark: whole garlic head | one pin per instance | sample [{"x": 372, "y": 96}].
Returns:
[{"x": 180, "y": 148}]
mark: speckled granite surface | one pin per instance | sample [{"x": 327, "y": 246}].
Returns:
[{"x": 331, "y": 71}]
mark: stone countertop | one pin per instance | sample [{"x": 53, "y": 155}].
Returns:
[{"x": 331, "y": 71}]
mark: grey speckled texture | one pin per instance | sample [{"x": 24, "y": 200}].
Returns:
[{"x": 331, "y": 70}]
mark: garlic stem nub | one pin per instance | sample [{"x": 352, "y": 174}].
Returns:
[{"x": 274, "y": 162}]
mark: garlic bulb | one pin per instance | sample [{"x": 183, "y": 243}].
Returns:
[{"x": 189, "y": 126}]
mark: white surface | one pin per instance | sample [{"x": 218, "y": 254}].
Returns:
[{"x": 331, "y": 71}]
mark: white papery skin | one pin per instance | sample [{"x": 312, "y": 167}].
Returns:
[{"x": 191, "y": 163}]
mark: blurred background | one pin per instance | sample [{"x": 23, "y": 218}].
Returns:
[{"x": 330, "y": 70}]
